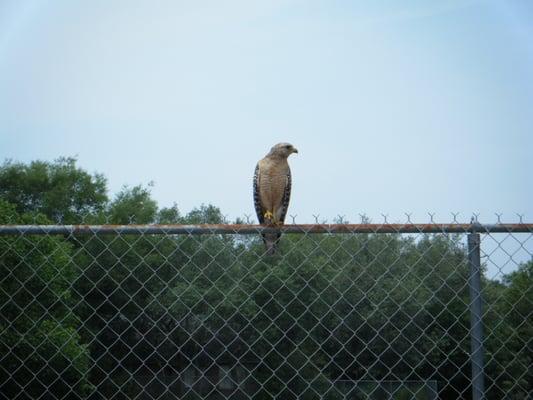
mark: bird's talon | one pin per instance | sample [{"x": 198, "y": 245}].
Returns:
[{"x": 269, "y": 215}]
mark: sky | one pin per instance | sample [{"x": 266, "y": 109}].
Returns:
[{"x": 395, "y": 106}]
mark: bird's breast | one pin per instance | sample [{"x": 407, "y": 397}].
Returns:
[{"x": 272, "y": 189}]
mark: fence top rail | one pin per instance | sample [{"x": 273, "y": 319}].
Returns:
[{"x": 246, "y": 229}]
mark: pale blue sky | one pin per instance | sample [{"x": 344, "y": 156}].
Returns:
[{"x": 396, "y": 106}]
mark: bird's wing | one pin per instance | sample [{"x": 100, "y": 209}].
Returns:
[
  {"x": 286, "y": 197},
  {"x": 257, "y": 196}
]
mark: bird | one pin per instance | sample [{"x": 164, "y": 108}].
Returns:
[{"x": 272, "y": 191}]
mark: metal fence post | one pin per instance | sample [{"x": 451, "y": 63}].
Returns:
[{"x": 476, "y": 326}]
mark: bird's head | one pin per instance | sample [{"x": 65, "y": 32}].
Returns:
[{"x": 282, "y": 150}]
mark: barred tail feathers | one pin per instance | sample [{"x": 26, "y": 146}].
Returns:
[{"x": 271, "y": 241}]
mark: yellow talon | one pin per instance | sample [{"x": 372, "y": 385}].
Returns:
[{"x": 269, "y": 215}]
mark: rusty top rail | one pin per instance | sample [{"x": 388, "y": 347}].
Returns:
[{"x": 246, "y": 229}]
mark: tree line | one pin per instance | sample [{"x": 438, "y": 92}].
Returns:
[{"x": 99, "y": 314}]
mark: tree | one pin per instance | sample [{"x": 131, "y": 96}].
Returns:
[
  {"x": 40, "y": 348},
  {"x": 509, "y": 329},
  {"x": 132, "y": 206},
  {"x": 333, "y": 307},
  {"x": 59, "y": 190},
  {"x": 327, "y": 308}
]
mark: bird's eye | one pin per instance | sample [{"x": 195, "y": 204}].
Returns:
[{"x": 288, "y": 146}]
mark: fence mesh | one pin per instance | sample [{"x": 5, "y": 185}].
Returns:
[{"x": 144, "y": 313}]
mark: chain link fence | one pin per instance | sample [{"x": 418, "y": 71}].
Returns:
[{"x": 366, "y": 311}]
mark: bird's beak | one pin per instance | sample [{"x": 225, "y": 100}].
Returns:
[{"x": 294, "y": 150}]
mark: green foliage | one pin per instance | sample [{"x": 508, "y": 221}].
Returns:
[
  {"x": 169, "y": 215},
  {"x": 519, "y": 298},
  {"x": 509, "y": 344},
  {"x": 329, "y": 307},
  {"x": 326, "y": 309},
  {"x": 49, "y": 353},
  {"x": 204, "y": 215},
  {"x": 59, "y": 190},
  {"x": 132, "y": 206},
  {"x": 38, "y": 337}
]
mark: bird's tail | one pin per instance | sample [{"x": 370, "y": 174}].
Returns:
[{"x": 271, "y": 241}]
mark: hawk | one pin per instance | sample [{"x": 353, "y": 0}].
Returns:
[{"x": 272, "y": 190}]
